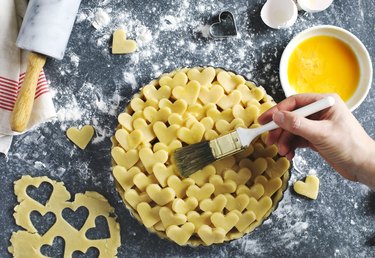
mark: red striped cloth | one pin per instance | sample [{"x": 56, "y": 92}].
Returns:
[{"x": 9, "y": 90}]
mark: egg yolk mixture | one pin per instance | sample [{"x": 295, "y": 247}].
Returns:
[{"x": 324, "y": 64}]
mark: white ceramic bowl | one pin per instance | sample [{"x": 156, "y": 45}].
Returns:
[{"x": 356, "y": 45}]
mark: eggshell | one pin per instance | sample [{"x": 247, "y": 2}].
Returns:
[
  {"x": 279, "y": 14},
  {"x": 314, "y": 6}
]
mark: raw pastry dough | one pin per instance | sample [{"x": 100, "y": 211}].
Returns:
[
  {"x": 224, "y": 200},
  {"x": 28, "y": 242},
  {"x": 309, "y": 188},
  {"x": 121, "y": 45},
  {"x": 81, "y": 137}
]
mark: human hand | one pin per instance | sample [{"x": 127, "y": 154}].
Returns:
[{"x": 334, "y": 132}]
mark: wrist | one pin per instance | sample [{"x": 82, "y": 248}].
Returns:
[{"x": 366, "y": 166}]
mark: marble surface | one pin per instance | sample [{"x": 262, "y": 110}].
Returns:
[{"x": 91, "y": 86}]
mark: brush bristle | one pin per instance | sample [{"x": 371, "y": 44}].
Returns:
[{"x": 193, "y": 157}]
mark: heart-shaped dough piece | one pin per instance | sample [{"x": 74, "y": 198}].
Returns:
[
  {"x": 189, "y": 93},
  {"x": 129, "y": 140},
  {"x": 149, "y": 215},
  {"x": 161, "y": 196},
  {"x": 132, "y": 197},
  {"x": 121, "y": 45},
  {"x": 205, "y": 77},
  {"x": 226, "y": 222},
  {"x": 211, "y": 235},
  {"x": 162, "y": 173},
  {"x": 241, "y": 177},
  {"x": 179, "y": 186},
  {"x": 201, "y": 177},
  {"x": 125, "y": 177},
  {"x": 141, "y": 181},
  {"x": 229, "y": 101},
  {"x": 151, "y": 92},
  {"x": 81, "y": 137},
  {"x": 191, "y": 135},
  {"x": 137, "y": 104},
  {"x": 153, "y": 115},
  {"x": 180, "y": 235},
  {"x": 200, "y": 193},
  {"x": 221, "y": 186},
  {"x": 211, "y": 95},
  {"x": 165, "y": 134},
  {"x": 270, "y": 186},
  {"x": 255, "y": 191},
  {"x": 277, "y": 168},
  {"x": 309, "y": 188},
  {"x": 149, "y": 159},
  {"x": 261, "y": 207},
  {"x": 179, "y": 79},
  {"x": 175, "y": 144},
  {"x": 146, "y": 129},
  {"x": 229, "y": 81},
  {"x": 247, "y": 115},
  {"x": 184, "y": 206},
  {"x": 213, "y": 205},
  {"x": 245, "y": 220},
  {"x": 125, "y": 159},
  {"x": 168, "y": 218},
  {"x": 238, "y": 203},
  {"x": 177, "y": 107}
]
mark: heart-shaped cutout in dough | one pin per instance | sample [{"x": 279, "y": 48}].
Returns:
[
  {"x": 141, "y": 181},
  {"x": 179, "y": 186},
  {"x": 149, "y": 158},
  {"x": 241, "y": 177},
  {"x": 149, "y": 215},
  {"x": 151, "y": 92},
  {"x": 261, "y": 207},
  {"x": 189, "y": 93},
  {"x": 161, "y": 196},
  {"x": 238, "y": 203},
  {"x": 162, "y": 173},
  {"x": 229, "y": 101},
  {"x": 199, "y": 219},
  {"x": 153, "y": 115},
  {"x": 168, "y": 218},
  {"x": 146, "y": 129},
  {"x": 125, "y": 177},
  {"x": 216, "y": 204},
  {"x": 309, "y": 188},
  {"x": 132, "y": 197},
  {"x": 211, "y": 235},
  {"x": 211, "y": 95},
  {"x": 81, "y": 137},
  {"x": 245, "y": 220},
  {"x": 125, "y": 159},
  {"x": 177, "y": 107},
  {"x": 221, "y": 186},
  {"x": 229, "y": 81},
  {"x": 180, "y": 235},
  {"x": 202, "y": 192},
  {"x": 183, "y": 206},
  {"x": 255, "y": 191},
  {"x": 226, "y": 222},
  {"x": 270, "y": 185},
  {"x": 127, "y": 140},
  {"x": 201, "y": 177},
  {"x": 165, "y": 134},
  {"x": 121, "y": 45},
  {"x": 179, "y": 79},
  {"x": 204, "y": 77},
  {"x": 191, "y": 135}
]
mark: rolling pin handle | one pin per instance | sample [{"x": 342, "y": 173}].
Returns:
[{"x": 25, "y": 100}]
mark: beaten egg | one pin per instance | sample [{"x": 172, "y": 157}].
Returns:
[{"x": 324, "y": 64}]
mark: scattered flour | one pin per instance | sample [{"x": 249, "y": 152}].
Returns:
[{"x": 101, "y": 19}]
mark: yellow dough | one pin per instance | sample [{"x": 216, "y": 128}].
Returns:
[
  {"x": 81, "y": 137},
  {"x": 121, "y": 45},
  {"x": 28, "y": 242},
  {"x": 309, "y": 188},
  {"x": 224, "y": 200}
]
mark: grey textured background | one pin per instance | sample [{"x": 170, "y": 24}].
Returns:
[{"x": 92, "y": 86}]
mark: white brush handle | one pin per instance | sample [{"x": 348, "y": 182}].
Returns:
[{"x": 246, "y": 137}]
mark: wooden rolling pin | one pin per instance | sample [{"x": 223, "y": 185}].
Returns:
[{"x": 25, "y": 100}]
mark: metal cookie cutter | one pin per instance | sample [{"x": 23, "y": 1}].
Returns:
[{"x": 225, "y": 27}]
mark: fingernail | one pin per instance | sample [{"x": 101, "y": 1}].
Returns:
[{"x": 278, "y": 117}]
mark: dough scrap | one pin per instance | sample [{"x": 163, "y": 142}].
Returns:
[
  {"x": 309, "y": 188},
  {"x": 121, "y": 45},
  {"x": 28, "y": 242},
  {"x": 224, "y": 200},
  {"x": 82, "y": 137}
]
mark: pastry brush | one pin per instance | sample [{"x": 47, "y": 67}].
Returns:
[{"x": 191, "y": 158}]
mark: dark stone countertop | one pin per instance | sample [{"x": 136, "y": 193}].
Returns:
[{"x": 91, "y": 86}]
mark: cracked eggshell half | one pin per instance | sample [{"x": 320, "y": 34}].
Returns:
[
  {"x": 313, "y": 6},
  {"x": 279, "y": 14}
]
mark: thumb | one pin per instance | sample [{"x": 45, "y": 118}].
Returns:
[{"x": 297, "y": 125}]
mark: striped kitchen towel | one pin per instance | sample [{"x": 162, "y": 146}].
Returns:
[{"x": 12, "y": 72}]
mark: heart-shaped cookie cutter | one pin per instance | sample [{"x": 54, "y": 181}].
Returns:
[{"x": 224, "y": 28}]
